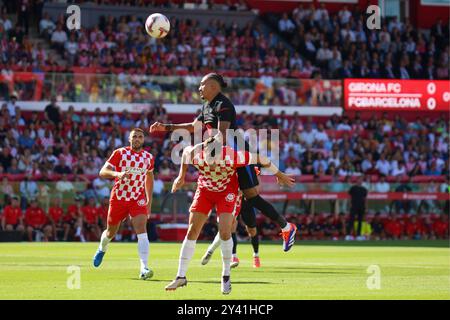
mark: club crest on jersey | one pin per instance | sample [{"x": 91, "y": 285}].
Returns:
[
  {"x": 141, "y": 203},
  {"x": 230, "y": 197}
]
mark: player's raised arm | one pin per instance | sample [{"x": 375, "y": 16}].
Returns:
[
  {"x": 186, "y": 159},
  {"x": 158, "y": 126},
  {"x": 282, "y": 178}
]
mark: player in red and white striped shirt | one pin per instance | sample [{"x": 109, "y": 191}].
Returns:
[
  {"x": 131, "y": 195},
  {"x": 217, "y": 186}
]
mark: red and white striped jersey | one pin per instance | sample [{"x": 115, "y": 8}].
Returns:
[{"x": 139, "y": 164}]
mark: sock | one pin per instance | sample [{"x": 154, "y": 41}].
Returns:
[
  {"x": 186, "y": 253},
  {"x": 255, "y": 244},
  {"x": 104, "y": 240},
  {"x": 233, "y": 236},
  {"x": 286, "y": 228},
  {"x": 234, "y": 255},
  {"x": 227, "y": 247},
  {"x": 268, "y": 210},
  {"x": 215, "y": 244},
  {"x": 143, "y": 249}
]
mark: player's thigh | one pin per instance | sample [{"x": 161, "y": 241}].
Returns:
[
  {"x": 117, "y": 211},
  {"x": 196, "y": 222},
  {"x": 248, "y": 181}
]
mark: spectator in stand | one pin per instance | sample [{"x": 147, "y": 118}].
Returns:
[
  {"x": 53, "y": 112},
  {"x": 158, "y": 186},
  {"x": 12, "y": 218},
  {"x": 7, "y": 190},
  {"x": 46, "y": 26},
  {"x": 91, "y": 220},
  {"x": 440, "y": 227},
  {"x": 28, "y": 190},
  {"x": 55, "y": 216},
  {"x": 268, "y": 230},
  {"x": 393, "y": 227},
  {"x": 377, "y": 226},
  {"x": 35, "y": 221},
  {"x": 382, "y": 186},
  {"x": 315, "y": 228},
  {"x": 62, "y": 167},
  {"x": 59, "y": 38},
  {"x": 403, "y": 206},
  {"x": 64, "y": 187}
]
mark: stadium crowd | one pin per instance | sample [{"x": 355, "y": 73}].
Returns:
[
  {"x": 51, "y": 145},
  {"x": 398, "y": 51}
]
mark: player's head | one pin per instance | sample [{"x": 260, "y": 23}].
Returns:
[
  {"x": 211, "y": 85},
  {"x": 136, "y": 139}
]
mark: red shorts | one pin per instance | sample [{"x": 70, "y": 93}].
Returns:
[
  {"x": 205, "y": 200},
  {"x": 119, "y": 210}
]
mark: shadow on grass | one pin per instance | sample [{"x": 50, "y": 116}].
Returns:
[
  {"x": 211, "y": 282},
  {"x": 301, "y": 270}
]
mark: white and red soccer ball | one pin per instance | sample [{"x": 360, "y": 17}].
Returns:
[{"x": 157, "y": 25}]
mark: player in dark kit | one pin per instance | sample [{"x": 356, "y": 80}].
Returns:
[{"x": 219, "y": 113}]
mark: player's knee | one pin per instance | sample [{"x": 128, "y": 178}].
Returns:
[
  {"x": 193, "y": 232},
  {"x": 225, "y": 234},
  {"x": 251, "y": 231}
]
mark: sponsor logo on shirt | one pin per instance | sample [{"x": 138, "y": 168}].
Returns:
[{"x": 141, "y": 203}]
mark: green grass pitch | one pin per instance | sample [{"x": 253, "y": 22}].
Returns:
[{"x": 320, "y": 270}]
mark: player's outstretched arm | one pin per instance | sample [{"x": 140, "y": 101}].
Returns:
[
  {"x": 158, "y": 126},
  {"x": 107, "y": 172},
  {"x": 282, "y": 178},
  {"x": 186, "y": 159}
]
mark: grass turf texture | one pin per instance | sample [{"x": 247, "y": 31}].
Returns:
[{"x": 311, "y": 270}]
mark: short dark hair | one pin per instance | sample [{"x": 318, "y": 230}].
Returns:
[
  {"x": 138, "y": 130},
  {"x": 217, "y": 77}
]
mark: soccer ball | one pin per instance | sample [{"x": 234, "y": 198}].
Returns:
[{"x": 157, "y": 25}]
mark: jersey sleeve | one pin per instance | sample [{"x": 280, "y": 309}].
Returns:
[
  {"x": 151, "y": 165},
  {"x": 225, "y": 112},
  {"x": 114, "y": 159}
]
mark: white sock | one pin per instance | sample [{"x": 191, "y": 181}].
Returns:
[
  {"x": 78, "y": 232},
  {"x": 215, "y": 244},
  {"x": 287, "y": 227},
  {"x": 186, "y": 253},
  {"x": 104, "y": 240},
  {"x": 143, "y": 249},
  {"x": 227, "y": 248},
  {"x": 255, "y": 254},
  {"x": 234, "y": 254}
]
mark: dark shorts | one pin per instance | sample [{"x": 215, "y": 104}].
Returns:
[{"x": 247, "y": 177}]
